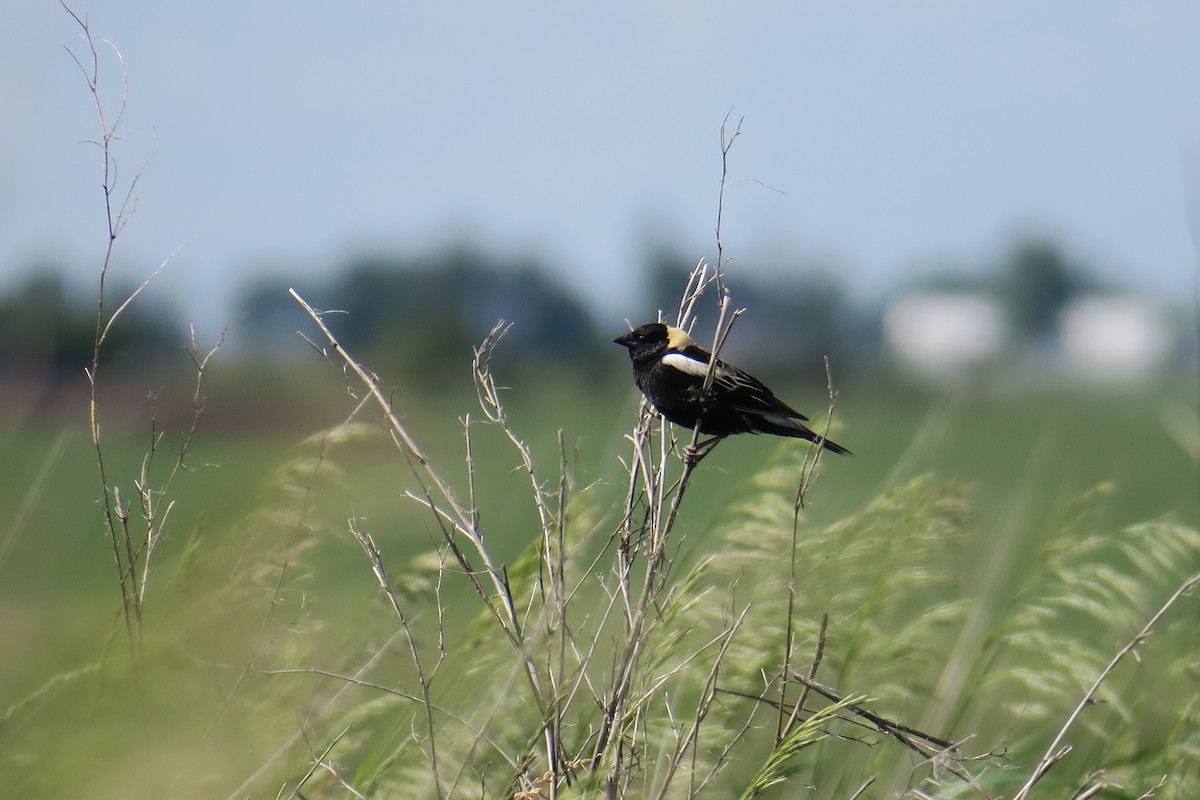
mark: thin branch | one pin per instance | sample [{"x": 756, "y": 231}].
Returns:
[
  {"x": 915, "y": 740},
  {"x": 726, "y": 146},
  {"x": 1057, "y": 750},
  {"x": 135, "y": 294},
  {"x": 703, "y": 706},
  {"x": 812, "y": 675},
  {"x": 662, "y": 497},
  {"x": 460, "y": 515},
  {"x": 241, "y": 790},
  {"x": 319, "y": 762},
  {"x": 862, "y": 789},
  {"x": 368, "y": 545},
  {"x": 132, "y": 561}
]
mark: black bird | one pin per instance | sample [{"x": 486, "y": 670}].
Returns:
[{"x": 669, "y": 367}]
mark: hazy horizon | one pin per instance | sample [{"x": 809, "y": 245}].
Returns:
[{"x": 883, "y": 141}]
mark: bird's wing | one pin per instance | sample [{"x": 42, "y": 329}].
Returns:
[
  {"x": 747, "y": 393},
  {"x": 691, "y": 361},
  {"x": 739, "y": 388}
]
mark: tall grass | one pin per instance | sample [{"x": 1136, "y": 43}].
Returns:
[
  {"x": 627, "y": 650},
  {"x": 902, "y": 677}
]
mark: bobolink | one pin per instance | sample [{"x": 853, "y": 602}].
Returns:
[{"x": 669, "y": 367}]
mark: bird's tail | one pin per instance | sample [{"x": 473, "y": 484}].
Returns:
[
  {"x": 789, "y": 426},
  {"x": 832, "y": 447}
]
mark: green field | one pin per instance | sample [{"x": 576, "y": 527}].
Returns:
[{"x": 986, "y": 494}]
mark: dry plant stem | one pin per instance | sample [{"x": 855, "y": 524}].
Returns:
[
  {"x": 493, "y": 409},
  {"x": 470, "y": 456},
  {"x": 378, "y": 687},
  {"x": 1092, "y": 786},
  {"x": 812, "y": 457},
  {"x": 926, "y": 745},
  {"x": 688, "y": 741},
  {"x": 624, "y": 533},
  {"x": 450, "y": 527},
  {"x": 613, "y": 707},
  {"x": 724, "y": 320},
  {"x": 915, "y": 740},
  {"x": 151, "y": 499},
  {"x": 698, "y": 280},
  {"x": 112, "y": 508},
  {"x": 319, "y": 762},
  {"x": 551, "y": 524},
  {"x": 132, "y": 560},
  {"x": 660, "y": 530},
  {"x": 663, "y": 499},
  {"x": 557, "y": 630},
  {"x": 1056, "y": 750},
  {"x": 785, "y": 728},
  {"x": 723, "y": 757},
  {"x": 862, "y": 789},
  {"x": 243, "y": 788},
  {"x": 726, "y": 147},
  {"x": 460, "y": 518},
  {"x": 368, "y": 545},
  {"x": 808, "y": 471},
  {"x": 1161, "y": 782}
]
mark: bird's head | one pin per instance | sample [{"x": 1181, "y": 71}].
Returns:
[{"x": 652, "y": 340}]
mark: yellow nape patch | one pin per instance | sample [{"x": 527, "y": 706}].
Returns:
[{"x": 678, "y": 339}]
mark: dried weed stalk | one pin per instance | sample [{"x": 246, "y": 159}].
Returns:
[
  {"x": 134, "y": 524},
  {"x": 597, "y": 710}
]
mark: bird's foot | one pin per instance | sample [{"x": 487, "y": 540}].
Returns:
[{"x": 693, "y": 454}]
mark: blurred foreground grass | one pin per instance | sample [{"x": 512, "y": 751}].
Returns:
[{"x": 259, "y": 570}]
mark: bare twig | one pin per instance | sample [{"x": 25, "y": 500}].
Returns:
[
  {"x": 726, "y": 147},
  {"x": 459, "y": 524},
  {"x": 331, "y": 702},
  {"x": 1057, "y": 750},
  {"x": 708, "y": 693},
  {"x": 925, "y": 744},
  {"x": 114, "y": 512},
  {"x": 812, "y": 456},
  {"x": 368, "y": 545},
  {"x": 862, "y": 789},
  {"x": 662, "y": 497},
  {"x": 132, "y": 553},
  {"x": 812, "y": 676},
  {"x": 459, "y": 516},
  {"x": 319, "y": 763}
]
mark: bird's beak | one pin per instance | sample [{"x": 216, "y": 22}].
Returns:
[{"x": 622, "y": 340}]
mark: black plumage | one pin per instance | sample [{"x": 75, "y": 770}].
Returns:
[{"x": 669, "y": 368}]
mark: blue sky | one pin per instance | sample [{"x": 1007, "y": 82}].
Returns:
[{"x": 288, "y": 136}]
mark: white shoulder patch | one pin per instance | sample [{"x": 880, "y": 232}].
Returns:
[
  {"x": 678, "y": 339},
  {"x": 685, "y": 364}
]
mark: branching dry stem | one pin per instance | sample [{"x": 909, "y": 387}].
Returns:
[
  {"x": 132, "y": 550},
  {"x": 1057, "y": 750}
]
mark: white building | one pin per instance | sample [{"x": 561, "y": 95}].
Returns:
[
  {"x": 1099, "y": 337},
  {"x": 1115, "y": 337},
  {"x": 940, "y": 334}
]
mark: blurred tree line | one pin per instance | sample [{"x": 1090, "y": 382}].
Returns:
[
  {"x": 797, "y": 313},
  {"x": 420, "y": 315},
  {"x": 48, "y": 329}
]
